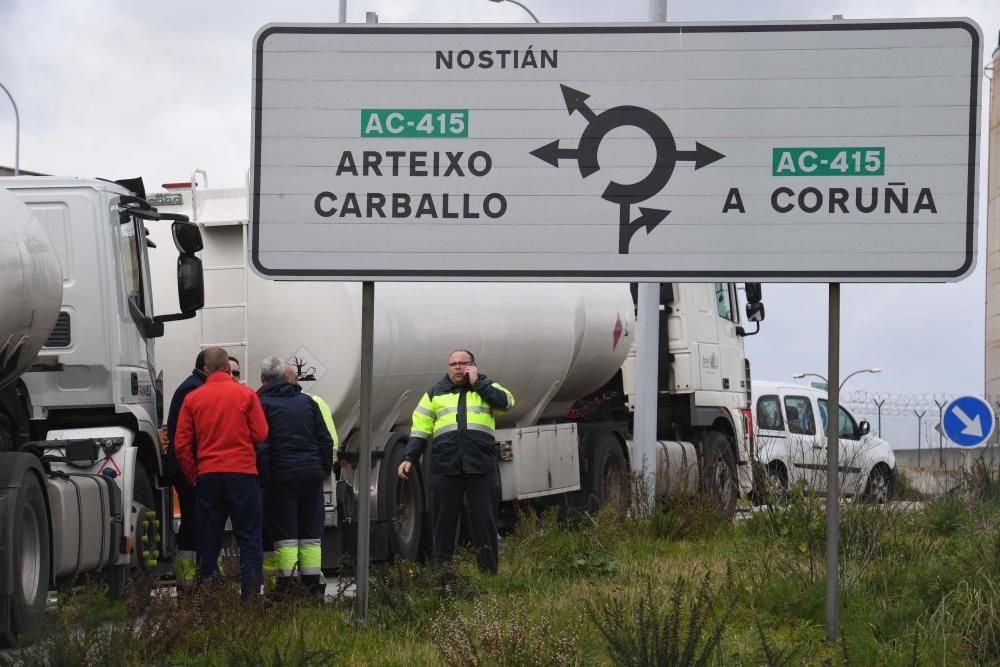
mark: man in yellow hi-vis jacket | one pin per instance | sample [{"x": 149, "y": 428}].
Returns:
[{"x": 457, "y": 413}]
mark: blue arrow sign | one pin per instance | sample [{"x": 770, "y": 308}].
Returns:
[{"x": 968, "y": 421}]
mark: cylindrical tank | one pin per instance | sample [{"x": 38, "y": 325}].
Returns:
[
  {"x": 548, "y": 343},
  {"x": 30, "y": 287}
]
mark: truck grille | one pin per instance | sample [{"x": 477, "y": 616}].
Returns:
[{"x": 61, "y": 333}]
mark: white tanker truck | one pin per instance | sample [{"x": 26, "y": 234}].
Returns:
[
  {"x": 565, "y": 351},
  {"x": 79, "y": 399}
]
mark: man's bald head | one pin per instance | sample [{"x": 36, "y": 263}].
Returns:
[
  {"x": 290, "y": 374},
  {"x": 216, "y": 359}
]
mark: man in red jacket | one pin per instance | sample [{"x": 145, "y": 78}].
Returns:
[{"x": 225, "y": 419}]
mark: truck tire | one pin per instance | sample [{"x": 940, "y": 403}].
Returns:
[
  {"x": 31, "y": 560},
  {"x": 608, "y": 482},
  {"x": 718, "y": 475},
  {"x": 405, "y": 505},
  {"x": 137, "y": 573},
  {"x": 6, "y": 438}
]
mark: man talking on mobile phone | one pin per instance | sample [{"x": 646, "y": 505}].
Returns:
[{"x": 457, "y": 414}]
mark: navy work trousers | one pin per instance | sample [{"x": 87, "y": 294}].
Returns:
[
  {"x": 187, "y": 535},
  {"x": 482, "y": 492},
  {"x": 236, "y": 496},
  {"x": 295, "y": 507}
]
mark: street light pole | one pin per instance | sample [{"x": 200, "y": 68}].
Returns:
[
  {"x": 799, "y": 376},
  {"x": 17, "y": 132},
  {"x": 515, "y": 2}
]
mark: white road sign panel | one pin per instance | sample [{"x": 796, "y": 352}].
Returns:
[{"x": 830, "y": 151}]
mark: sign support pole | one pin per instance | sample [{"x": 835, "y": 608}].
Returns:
[
  {"x": 644, "y": 441},
  {"x": 832, "y": 461},
  {"x": 646, "y": 391},
  {"x": 365, "y": 459}
]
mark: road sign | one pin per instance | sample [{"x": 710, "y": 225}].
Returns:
[
  {"x": 968, "y": 421},
  {"x": 819, "y": 151}
]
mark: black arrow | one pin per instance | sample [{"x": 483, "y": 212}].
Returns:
[
  {"x": 551, "y": 153},
  {"x": 576, "y": 101},
  {"x": 702, "y": 156},
  {"x": 648, "y": 218}
]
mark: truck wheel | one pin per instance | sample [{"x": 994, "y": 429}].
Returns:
[
  {"x": 6, "y": 437},
  {"x": 138, "y": 572},
  {"x": 718, "y": 476},
  {"x": 30, "y": 550},
  {"x": 611, "y": 481},
  {"x": 405, "y": 506}
]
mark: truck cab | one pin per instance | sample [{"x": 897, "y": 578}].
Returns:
[{"x": 86, "y": 401}]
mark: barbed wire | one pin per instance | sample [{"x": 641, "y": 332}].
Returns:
[{"x": 889, "y": 404}]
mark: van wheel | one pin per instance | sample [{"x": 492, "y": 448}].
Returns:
[
  {"x": 877, "y": 490},
  {"x": 405, "y": 505},
  {"x": 30, "y": 551},
  {"x": 777, "y": 484},
  {"x": 718, "y": 475}
]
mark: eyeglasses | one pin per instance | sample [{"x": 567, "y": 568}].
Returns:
[
  {"x": 458, "y": 364},
  {"x": 235, "y": 374}
]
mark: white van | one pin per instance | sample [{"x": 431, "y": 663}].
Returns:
[{"x": 790, "y": 444}]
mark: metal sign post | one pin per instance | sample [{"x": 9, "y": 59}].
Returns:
[
  {"x": 365, "y": 458},
  {"x": 832, "y": 466}
]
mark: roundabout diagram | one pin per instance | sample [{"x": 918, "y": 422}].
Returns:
[{"x": 625, "y": 195}]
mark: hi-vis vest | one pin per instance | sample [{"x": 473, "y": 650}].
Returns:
[{"x": 460, "y": 421}]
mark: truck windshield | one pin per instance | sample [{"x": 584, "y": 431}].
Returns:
[{"x": 724, "y": 301}]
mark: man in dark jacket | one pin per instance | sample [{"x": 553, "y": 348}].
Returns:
[
  {"x": 299, "y": 452},
  {"x": 457, "y": 413},
  {"x": 185, "y": 564}
]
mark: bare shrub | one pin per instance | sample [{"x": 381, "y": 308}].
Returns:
[
  {"x": 652, "y": 628},
  {"x": 501, "y": 634}
]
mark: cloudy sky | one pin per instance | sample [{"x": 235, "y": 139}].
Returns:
[{"x": 118, "y": 88}]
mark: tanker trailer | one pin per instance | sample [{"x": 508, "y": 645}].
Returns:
[
  {"x": 565, "y": 351},
  {"x": 79, "y": 458}
]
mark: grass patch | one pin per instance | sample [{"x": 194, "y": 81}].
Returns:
[{"x": 677, "y": 585}]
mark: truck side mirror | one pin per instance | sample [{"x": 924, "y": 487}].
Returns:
[
  {"x": 190, "y": 290},
  {"x": 754, "y": 293},
  {"x": 864, "y": 428},
  {"x": 187, "y": 237},
  {"x": 190, "y": 283},
  {"x": 755, "y": 311}
]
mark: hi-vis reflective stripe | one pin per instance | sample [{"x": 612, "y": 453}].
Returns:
[
  {"x": 472, "y": 426},
  {"x": 419, "y": 434},
  {"x": 424, "y": 411},
  {"x": 443, "y": 412},
  {"x": 310, "y": 556},
  {"x": 479, "y": 408},
  {"x": 480, "y": 427}
]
